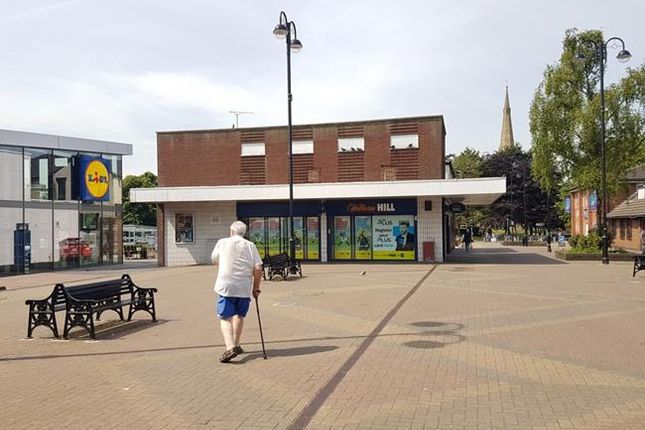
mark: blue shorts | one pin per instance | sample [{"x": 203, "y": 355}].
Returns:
[{"x": 230, "y": 306}]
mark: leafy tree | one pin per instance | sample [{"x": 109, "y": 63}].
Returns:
[
  {"x": 468, "y": 164},
  {"x": 539, "y": 206},
  {"x": 139, "y": 213},
  {"x": 565, "y": 120}
]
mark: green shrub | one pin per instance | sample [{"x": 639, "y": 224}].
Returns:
[{"x": 590, "y": 242}]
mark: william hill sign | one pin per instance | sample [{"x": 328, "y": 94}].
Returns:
[{"x": 360, "y": 207}]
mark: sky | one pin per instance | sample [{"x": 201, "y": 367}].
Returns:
[{"x": 121, "y": 70}]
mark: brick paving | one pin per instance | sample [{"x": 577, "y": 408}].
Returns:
[{"x": 499, "y": 338}]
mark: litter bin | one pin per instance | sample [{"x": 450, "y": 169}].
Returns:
[{"x": 428, "y": 252}]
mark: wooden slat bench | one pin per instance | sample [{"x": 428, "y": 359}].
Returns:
[{"x": 81, "y": 302}]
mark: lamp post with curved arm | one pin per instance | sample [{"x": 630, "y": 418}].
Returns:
[
  {"x": 600, "y": 55},
  {"x": 287, "y": 30}
]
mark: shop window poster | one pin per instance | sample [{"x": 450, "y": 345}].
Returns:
[
  {"x": 273, "y": 227},
  {"x": 342, "y": 244},
  {"x": 256, "y": 234},
  {"x": 363, "y": 235},
  {"x": 184, "y": 232},
  {"x": 313, "y": 238},
  {"x": 298, "y": 236},
  {"x": 394, "y": 237}
]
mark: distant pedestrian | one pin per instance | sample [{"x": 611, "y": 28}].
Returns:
[
  {"x": 548, "y": 242},
  {"x": 468, "y": 239},
  {"x": 238, "y": 277}
]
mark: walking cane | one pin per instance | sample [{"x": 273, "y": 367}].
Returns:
[{"x": 257, "y": 308}]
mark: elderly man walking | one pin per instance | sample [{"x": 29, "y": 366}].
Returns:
[{"x": 238, "y": 277}]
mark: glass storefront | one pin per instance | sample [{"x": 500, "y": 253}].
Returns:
[
  {"x": 358, "y": 230},
  {"x": 12, "y": 251},
  {"x": 373, "y": 230},
  {"x": 271, "y": 235},
  {"x": 44, "y": 225}
]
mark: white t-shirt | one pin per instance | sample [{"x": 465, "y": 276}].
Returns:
[{"x": 237, "y": 257}]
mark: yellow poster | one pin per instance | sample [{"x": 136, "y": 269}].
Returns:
[
  {"x": 313, "y": 239},
  {"x": 363, "y": 234},
  {"x": 342, "y": 245},
  {"x": 394, "y": 237}
]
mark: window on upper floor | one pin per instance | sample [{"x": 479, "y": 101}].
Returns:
[
  {"x": 252, "y": 149},
  {"x": 404, "y": 141},
  {"x": 351, "y": 144},
  {"x": 303, "y": 146}
]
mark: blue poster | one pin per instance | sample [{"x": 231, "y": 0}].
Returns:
[
  {"x": 567, "y": 205},
  {"x": 593, "y": 200}
]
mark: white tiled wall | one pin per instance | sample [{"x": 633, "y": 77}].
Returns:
[
  {"x": 430, "y": 226},
  {"x": 211, "y": 223}
]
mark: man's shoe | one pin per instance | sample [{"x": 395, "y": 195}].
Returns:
[
  {"x": 238, "y": 349},
  {"x": 228, "y": 355}
]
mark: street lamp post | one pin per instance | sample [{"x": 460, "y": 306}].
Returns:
[
  {"x": 287, "y": 30},
  {"x": 526, "y": 224},
  {"x": 600, "y": 54}
]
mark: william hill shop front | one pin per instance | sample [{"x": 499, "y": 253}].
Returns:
[
  {"x": 356, "y": 229},
  {"x": 404, "y": 221},
  {"x": 372, "y": 229}
]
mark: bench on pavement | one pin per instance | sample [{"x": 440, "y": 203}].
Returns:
[
  {"x": 280, "y": 264},
  {"x": 81, "y": 302},
  {"x": 639, "y": 264}
]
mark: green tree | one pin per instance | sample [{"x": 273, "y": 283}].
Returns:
[
  {"x": 565, "y": 120},
  {"x": 525, "y": 202},
  {"x": 139, "y": 213},
  {"x": 468, "y": 164}
]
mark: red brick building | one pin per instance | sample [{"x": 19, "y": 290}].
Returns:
[
  {"x": 368, "y": 190},
  {"x": 584, "y": 211}
]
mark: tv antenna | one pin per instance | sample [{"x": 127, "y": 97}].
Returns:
[{"x": 237, "y": 114}]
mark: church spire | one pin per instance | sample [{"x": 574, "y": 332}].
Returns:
[{"x": 506, "y": 142}]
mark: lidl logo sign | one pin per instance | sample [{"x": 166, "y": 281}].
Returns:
[{"x": 95, "y": 179}]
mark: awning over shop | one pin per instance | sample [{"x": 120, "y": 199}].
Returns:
[{"x": 471, "y": 192}]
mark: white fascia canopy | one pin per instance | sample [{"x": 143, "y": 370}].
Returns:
[{"x": 473, "y": 192}]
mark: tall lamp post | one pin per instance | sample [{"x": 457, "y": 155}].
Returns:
[
  {"x": 287, "y": 30},
  {"x": 526, "y": 223},
  {"x": 600, "y": 55}
]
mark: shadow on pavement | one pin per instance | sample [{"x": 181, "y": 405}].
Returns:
[
  {"x": 211, "y": 346},
  {"x": 116, "y": 329},
  {"x": 499, "y": 256},
  {"x": 446, "y": 326},
  {"x": 447, "y": 335},
  {"x": 286, "y": 352}
]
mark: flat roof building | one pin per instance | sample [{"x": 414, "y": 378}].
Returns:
[
  {"x": 375, "y": 190},
  {"x": 60, "y": 202}
]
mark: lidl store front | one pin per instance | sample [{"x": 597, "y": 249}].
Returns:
[
  {"x": 368, "y": 221},
  {"x": 60, "y": 202}
]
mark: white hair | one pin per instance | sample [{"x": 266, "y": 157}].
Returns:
[{"x": 238, "y": 228}]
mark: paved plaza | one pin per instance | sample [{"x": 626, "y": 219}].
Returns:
[{"x": 501, "y": 338}]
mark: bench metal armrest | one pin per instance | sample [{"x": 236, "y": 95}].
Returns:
[
  {"x": 37, "y": 302},
  {"x": 48, "y": 299},
  {"x": 141, "y": 293}
]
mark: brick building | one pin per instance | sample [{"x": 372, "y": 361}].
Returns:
[
  {"x": 584, "y": 206},
  {"x": 368, "y": 190}
]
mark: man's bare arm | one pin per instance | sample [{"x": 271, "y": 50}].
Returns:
[{"x": 257, "y": 277}]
